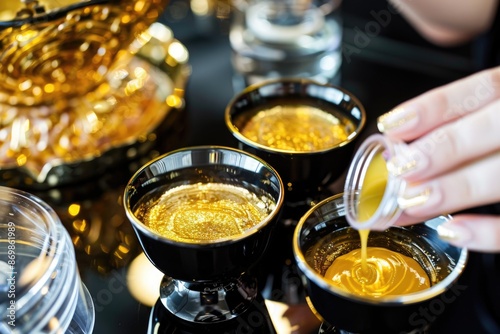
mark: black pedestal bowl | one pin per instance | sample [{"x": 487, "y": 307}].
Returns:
[
  {"x": 306, "y": 174},
  {"x": 323, "y": 234},
  {"x": 207, "y": 280}
]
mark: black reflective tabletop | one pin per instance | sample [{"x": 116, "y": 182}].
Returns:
[{"x": 384, "y": 63}]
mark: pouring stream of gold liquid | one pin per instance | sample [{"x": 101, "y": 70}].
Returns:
[{"x": 376, "y": 271}]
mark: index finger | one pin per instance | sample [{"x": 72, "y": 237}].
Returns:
[{"x": 441, "y": 105}]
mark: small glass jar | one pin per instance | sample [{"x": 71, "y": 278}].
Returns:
[
  {"x": 388, "y": 209},
  {"x": 40, "y": 287}
]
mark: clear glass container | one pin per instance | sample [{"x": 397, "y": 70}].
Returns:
[
  {"x": 388, "y": 210},
  {"x": 276, "y": 39},
  {"x": 40, "y": 286}
]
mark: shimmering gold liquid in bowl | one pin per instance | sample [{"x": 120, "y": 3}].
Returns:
[
  {"x": 205, "y": 212},
  {"x": 386, "y": 273},
  {"x": 299, "y": 128}
]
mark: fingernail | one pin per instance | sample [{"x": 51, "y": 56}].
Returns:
[
  {"x": 420, "y": 197},
  {"x": 454, "y": 233},
  {"x": 415, "y": 199},
  {"x": 398, "y": 119},
  {"x": 410, "y": 160}
]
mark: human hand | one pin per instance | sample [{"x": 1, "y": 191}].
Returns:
[{"x": 453, "y": 161}]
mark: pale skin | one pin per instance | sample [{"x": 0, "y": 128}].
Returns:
[
  {"x": 453, "y": 132},
  {"x": 448, "y": 22},
  {"x": 455, "y": 140}
]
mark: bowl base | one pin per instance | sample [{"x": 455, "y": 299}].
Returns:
[
  {"x": 326, "y": 328},
  {"x": 208, "y": 302},
  {"x": 255, "y": 320}
]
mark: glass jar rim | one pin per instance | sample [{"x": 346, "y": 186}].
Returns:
[
  {"x": 49, "y": 224},
  {"x": 53, "y": 287},
  {"x": 388, "y": 210}
]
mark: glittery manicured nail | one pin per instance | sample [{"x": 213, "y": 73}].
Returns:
[
  {"x": 454, "y": 233},
  {"x": 415, "y": 199},
  {"x": 404, "y": 163},
  {"x": 399, "y": 118},
  {"x": 398, "y": 167},
  {"x": 419, "y": 199}
]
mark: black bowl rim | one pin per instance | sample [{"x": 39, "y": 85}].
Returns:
[
  {"x": 237, "y": 134},
  {"x": 412, "y": 298},
  {"x": 213, "y": 243}
]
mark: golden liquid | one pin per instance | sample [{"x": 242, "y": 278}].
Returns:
[
  {"x": 387, "y": 273},
  {"x": 371, "y": 194},
  {"x": 363, "y": 235},
  {"x": 205, "y": 212},
  {"x": 298, "y": 128},
  {"x": 373, "y": 188},
  {"x": 375, "y": 271}
]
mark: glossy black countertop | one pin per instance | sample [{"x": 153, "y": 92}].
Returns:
[{"x": 389, "y": 66}]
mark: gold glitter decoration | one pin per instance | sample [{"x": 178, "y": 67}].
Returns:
[
  {"x": 49, "y": 60},
  {"x": 205, "y": 212},
  {"x": 298, "y": 128},
  {"x": 395, "y": 119},
  {"x": 84, "y": 78}
]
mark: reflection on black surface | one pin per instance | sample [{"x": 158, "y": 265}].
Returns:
[
  {"x": 143, "y": 280},
  {"x": 254, "y": 320},
  {"x": 93, "y": 213},
  {"x": 104, "y": 240}
]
